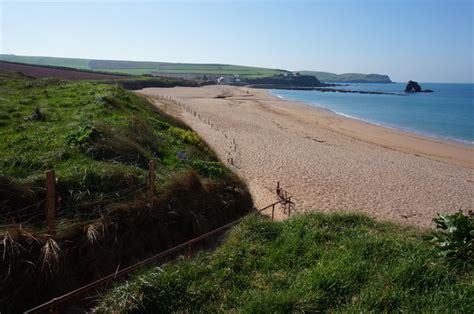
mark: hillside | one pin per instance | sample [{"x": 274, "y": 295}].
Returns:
[
  {"x": 65, "y": 73},
  {"x": 349, "y": 77},
  {"x": 141, "y": 67},
  {"x": 186, "y": 69},
  {"x": 310, "y": 263},
  {"x": 99, "y": 139},
  {"x": 285, "y": 81}
]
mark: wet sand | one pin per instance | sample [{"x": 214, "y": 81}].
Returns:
[{"x": 327, "y": 162}]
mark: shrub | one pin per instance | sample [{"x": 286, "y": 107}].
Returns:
[
  {"x": 37, "y": 115},
  {"x": 82, "y": 136},
  {"x": 185, "y": 135},
  {"x": 455, "y": 236},
  {"x": 208, "y": 168},
  {"x": 102, "y": 143}
]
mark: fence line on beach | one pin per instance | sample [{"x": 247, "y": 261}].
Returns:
[{"x": 206, "y": 120}]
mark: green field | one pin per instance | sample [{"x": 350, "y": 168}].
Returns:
[
  {"x": 141, "y": 68},
  {"x": 336, "y": 263},
  {"x": 145, "y": 67},
  {"x": 82, "y": 64}
]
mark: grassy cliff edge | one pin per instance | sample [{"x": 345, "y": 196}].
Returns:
[
  {"x": 310, "y": 263},
  {"x": 99, "y": 139}
]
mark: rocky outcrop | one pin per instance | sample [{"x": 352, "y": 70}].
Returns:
[
  {"x": 414, "y": 87},
  {"x": 286, "y": 81},
  {"x": 348, "y": 77}
]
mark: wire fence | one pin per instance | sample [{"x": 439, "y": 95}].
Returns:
[
  {"x": 49, "y": 209},
  {"x": 58, "y": 304}
]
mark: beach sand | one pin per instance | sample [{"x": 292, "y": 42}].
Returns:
[{"x": 327, "y": 162}]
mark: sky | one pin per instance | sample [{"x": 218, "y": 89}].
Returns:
[{"x": 422, "y": 40}]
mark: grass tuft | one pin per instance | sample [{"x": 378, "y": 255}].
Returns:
[{"x": 50, "y": 255}]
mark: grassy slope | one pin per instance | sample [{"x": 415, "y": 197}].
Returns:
[
  {"x": 348, "y": 77},
  {"x": 82, "y": 64},
  {"x": 313, "y": 262},
  {"x": 97, "y": 137},
  {"x": 141, "y": 68}
]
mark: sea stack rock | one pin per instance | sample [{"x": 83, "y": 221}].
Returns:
[{"x": 414, "y": 87}]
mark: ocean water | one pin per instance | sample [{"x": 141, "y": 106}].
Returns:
[{"x": 448, "y": 113}]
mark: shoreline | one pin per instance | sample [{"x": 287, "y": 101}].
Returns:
[
  {"x": 398, "y": 139},
  {"x": 328, "y": 162},
  {"x": 426, "y": 136}
]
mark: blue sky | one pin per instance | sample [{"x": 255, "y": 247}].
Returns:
[{"x": 428, "y": 41}]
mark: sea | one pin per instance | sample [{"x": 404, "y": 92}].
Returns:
[{"x": 447, "y": 113}]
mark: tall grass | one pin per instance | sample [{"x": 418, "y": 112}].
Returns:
[
  {"x": 310, "y": 263},
  {"x": 97, "y": 137}
]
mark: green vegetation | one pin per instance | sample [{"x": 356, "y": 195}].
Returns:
[
  {"x": 142, "y": 68},
  {"x": 309, "y": 263},
  {"x": 145, "y": 67},
  {"x": 82, "y": 64},
  {"x": 286, "y": 81},
  {"x": 456, "y": 238},
  {"x": 349, "y": 77},
  {"x": 97, "y": 137}
]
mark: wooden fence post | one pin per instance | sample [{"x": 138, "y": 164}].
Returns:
[
  {"x": 151, "y": 181},
  {"x": 189, "y": 251},
  {"x": 50, "y": 201}
]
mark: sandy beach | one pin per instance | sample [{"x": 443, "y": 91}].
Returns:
[{"x": 327, "y": 162}]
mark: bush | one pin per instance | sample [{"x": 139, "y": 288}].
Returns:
[
  {"x": 82, "y": 136},
  {"x": 186, "y": 136},
  {"x": 208, "y": 168},
  {"x": 37, "y": 115},
  {"x": 455, "y": 236}
]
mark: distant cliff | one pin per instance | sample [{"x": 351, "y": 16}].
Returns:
[
  {"x": 285, "y": 81},
  {"x": 349, "y": 77}
]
